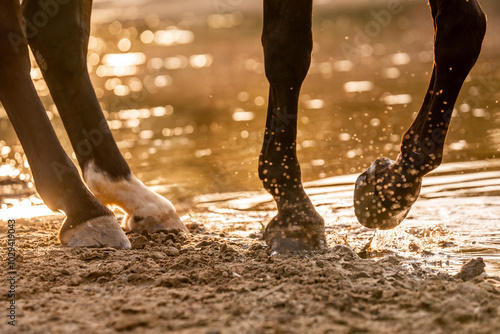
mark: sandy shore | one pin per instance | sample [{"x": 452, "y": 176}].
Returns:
[{"x": 215, "y": 282}]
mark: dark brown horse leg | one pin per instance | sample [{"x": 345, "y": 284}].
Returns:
[
  {"x": 386, "y": 191},
  {"x": 60, "y": 47},
  {"x": 287, "y": 42},
  {"x": 88, "y": 222}
]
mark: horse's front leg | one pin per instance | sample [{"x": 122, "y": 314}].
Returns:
[
  {"x": 88, "y": 222},
  {"x": 386, "y": 191},
  {"x": 287, "y": 42},
  {"x": 60, "y": 47}
]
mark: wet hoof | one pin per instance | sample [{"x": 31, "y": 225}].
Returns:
[
  {"x": 153, "y": 218},
  {"x": 296, "y": 231},
  {"x": 384, "y": 194},
  {"x": 98, "y": 233}
]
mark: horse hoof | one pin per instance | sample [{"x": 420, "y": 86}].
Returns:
[
  {"x": 384, "y": 194},
  {"x": 153, "y": 218},
  {"x": 298, "y": 231},
  {"x": 99, "y": 232}
]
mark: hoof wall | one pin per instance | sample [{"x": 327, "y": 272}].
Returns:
[
  {"x": 299, "y": 230},
  {"x": 97, "y": 233}
]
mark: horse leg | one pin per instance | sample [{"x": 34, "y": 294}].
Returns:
[
  {"x": 60, "y": 48},
  {"x": 88, "y": 222},
  {"x": 287, "y": 42},
  {"x": 386, "y": 191}
]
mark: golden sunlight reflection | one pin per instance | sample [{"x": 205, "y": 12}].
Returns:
[
  {"x": 458, "y": 146},
  {"x": 147, "y": 37},
  {"x": 116, "y": 71},
  {"x": 401, "y": 58},
  {"x": 343, "y": 66},
  {"x": 314, "y": 104},
  {"x": 219, "y": 21},
  {"x": 124, "y": 59},
  {"x": 241, "y": 115},
  {"x": 358, "y": 86},
  {"x": 120, "y": 64},
  {"x": 173, "y": 36},
  {"x": 124, "y": 44},
  {"x": 36, "y": 73},
  {"x": 199, "y": 61},
  {"x": 7, "y": 170},
  {"x": 397, "y": 99},
  {"x": 176, "y": 62},
  {"x": 25, "y": 209},
  {"x": 391, "y": 73}
]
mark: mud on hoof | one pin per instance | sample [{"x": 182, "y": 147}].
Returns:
[
  {"x": 297, "y": 231},
  {"x": 384, "y": 194},
  {"x": 98, "y": 232}
]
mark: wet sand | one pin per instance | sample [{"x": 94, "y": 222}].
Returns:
[{"x": 214, "y": 282}]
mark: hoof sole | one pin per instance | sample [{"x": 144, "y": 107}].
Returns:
[{"x": 383, "y": 196}]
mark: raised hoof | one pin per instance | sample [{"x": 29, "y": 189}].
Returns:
[
  {"x": 384, "y": 194},
  {"x": 297, "y": 232},
  {"x": 143, "y": 219},
  {"x": 99, "y": 232}
]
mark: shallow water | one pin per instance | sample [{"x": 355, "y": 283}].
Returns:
[
  {"x": 185, "y": 95},
  {"x": 455, "y": 219}
]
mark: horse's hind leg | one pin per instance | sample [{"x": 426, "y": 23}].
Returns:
[
  {"x": 88, "y": 222},
  {"x": 60, "y": 47},
  {"x": 386, "y": 191},
  {"x": 287, "y": 42}
]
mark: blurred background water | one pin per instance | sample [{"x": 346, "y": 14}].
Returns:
[{"x": 183, "y": 87}]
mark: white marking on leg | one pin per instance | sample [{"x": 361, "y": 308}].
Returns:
[{"x": 144, "y": 207}]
